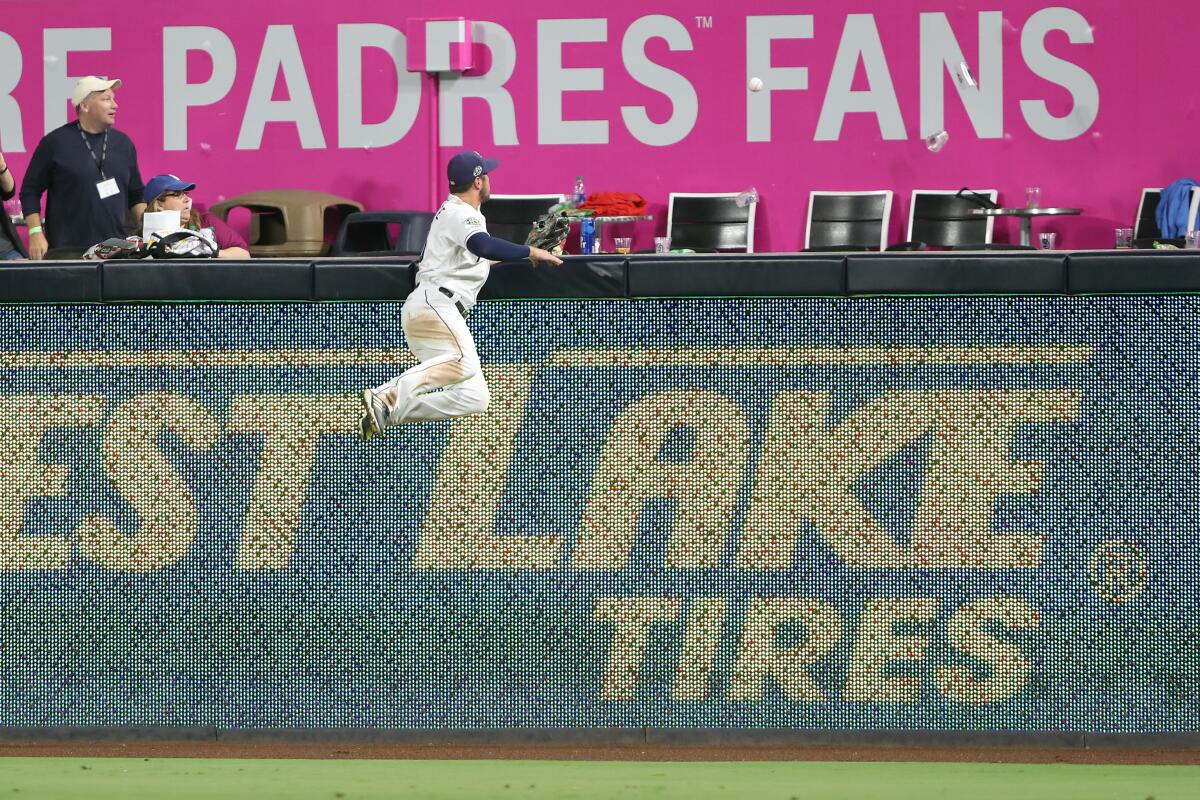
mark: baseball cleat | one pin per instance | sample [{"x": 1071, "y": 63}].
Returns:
[
  {"x": 374, "y": 418},
  {"x": 366, "y": 431}
]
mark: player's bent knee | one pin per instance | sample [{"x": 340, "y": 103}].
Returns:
[{"x": 477, "y": 399}]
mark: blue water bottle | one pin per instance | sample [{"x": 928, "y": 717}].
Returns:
[{"x": 587, "y": 236}]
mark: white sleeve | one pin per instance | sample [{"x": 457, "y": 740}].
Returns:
[{"x": 467, "y": 225}]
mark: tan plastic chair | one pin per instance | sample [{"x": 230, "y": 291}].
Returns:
[{"x": 286, "y": 223}]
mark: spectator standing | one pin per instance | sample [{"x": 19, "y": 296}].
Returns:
[
  {"x": 11, "y": 247},
  {"x": 88, "y": 171},
  {"x": 169, "y": 193}
]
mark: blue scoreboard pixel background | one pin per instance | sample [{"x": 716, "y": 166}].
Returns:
[{"x": 350, "y": 635}]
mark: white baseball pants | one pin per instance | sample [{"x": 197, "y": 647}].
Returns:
[{"x": 449, "y": 380}]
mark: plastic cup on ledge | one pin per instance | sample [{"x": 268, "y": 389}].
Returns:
[
  {"x": 1033, "y": 197},
  {"x": 1191, "y": 240},
  {"x": 662, "y": 244},
  {"x": 1124, "y": 238},
  {"x": 622, "y": 243},
  {"x": 1047, "y": 240}
]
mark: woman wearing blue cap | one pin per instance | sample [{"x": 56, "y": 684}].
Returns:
[{"x": 169, "y": 193}]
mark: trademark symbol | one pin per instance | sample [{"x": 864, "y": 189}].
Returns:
[
  {"x": 1117, "y": 570},
  {"x": 703, "y": 22}
]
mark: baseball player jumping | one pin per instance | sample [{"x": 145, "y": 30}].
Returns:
[{"x": 453, "y": 267}]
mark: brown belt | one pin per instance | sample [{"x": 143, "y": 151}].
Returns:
[{"x": 457, "y": 303}]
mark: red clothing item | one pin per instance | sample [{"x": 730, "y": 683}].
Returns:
[
  {"x": 226, "y": 236},
  {"x": 616, "y": 204}
]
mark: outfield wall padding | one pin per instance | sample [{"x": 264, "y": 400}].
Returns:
[
  {"x": 743, "y": 276},
  {"x": 1146, "y": 271},
  {"x": 591, "y": 276},
  {"x": 608, "y": 277},
  {"x": 209, "y": 279},
  {"x": 956, "y": 273},
  {"x": 376, "y": 279},
  {"x": 57, "y": 281}
]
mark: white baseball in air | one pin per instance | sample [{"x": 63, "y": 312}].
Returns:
[{"x": 755, "y": 85}]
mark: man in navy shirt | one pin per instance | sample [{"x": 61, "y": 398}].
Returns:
[{"x": 89, "y": 174}]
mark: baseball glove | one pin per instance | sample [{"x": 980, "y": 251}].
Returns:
[{"x": 549, "y": 233}]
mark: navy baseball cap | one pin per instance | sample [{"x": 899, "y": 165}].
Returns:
[
  {"x": 467, "y": 166},
  {"x": 165, "y": 183}
]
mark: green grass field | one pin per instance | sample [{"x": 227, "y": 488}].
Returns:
[{"x": 263, "y": 779}]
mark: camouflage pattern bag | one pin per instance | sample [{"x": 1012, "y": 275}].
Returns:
[
  {"x": 115, "y": 248},
  {"x": 549, "y": 232}
]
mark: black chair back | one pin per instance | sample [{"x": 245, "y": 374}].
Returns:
[
  {"x": 852, "y": 220},
  {"x": 943, "y": 220},
  {"x": 1146, "y": 224},
  {"x": 512, "y": 218},
  {"x": 369, "y": 233},
  {"x": 711, "y": 223}
]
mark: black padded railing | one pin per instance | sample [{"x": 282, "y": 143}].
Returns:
[{"x": 761, "y": 275}]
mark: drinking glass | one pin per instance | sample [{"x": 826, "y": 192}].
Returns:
[
  {"x": 621, "y": 243},
  {"x": 662, "y": 244},
  {"x": 1124, "y": 238},
  {"x": 1191, "y": 240},
  {"x": 1047, "y": 240},
  {"x": 1033, "y": 197}
]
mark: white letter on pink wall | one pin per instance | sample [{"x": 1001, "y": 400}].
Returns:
[
  {"x": 554, "y": 80},
  {"x": 56, "y": 44},
  {"x": 488, "y": 87},
  {"x": 280, "y": 53},
  {"x": 178, "y": 94},
  {"x": 860, "y": 39},
  {"x": 352, "y": 131},
  {"x": 11, "y": 138},
  {"x": 984, "y": 102},
  {"x": 686, "y": 106},
  {"x": 760, "y": 31},
  {"x": 1084, "y": 91}
]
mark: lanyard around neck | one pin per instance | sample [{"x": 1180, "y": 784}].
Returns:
[{"x": 103, "y": 151}]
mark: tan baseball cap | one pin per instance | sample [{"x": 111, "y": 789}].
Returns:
[{"x": 90, "y": 84}]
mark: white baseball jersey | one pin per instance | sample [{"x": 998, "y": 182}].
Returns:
[{"x": 447, "y": 262}]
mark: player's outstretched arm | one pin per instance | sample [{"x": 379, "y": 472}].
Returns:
[
  {"x": 537, "y": 254},
  {"x": 486, "y": 246}
]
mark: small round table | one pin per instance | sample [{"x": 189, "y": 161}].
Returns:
[
  {"x": 601, "y": 220},
  {"x": 1027, "y": 215}
]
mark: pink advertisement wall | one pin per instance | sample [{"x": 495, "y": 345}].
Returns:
[{"x": 1091, "y": 100}]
